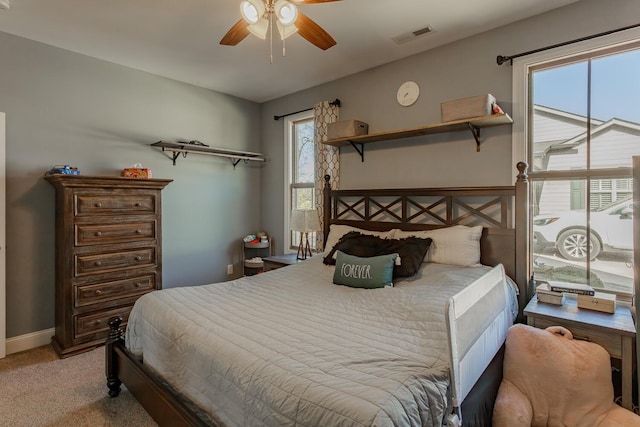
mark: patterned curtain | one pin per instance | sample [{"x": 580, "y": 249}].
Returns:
[{"x": 327, "y": 157}]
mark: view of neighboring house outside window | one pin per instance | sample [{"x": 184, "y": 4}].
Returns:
[
  {"x": 300, "y": 142},
  {"x": 584, "y": 128}
]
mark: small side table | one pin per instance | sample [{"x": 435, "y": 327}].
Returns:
[
  {"x": 615, "y": 332},
  {"x": 279, "y": 261}
]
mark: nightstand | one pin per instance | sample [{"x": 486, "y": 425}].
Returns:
[
  {"x": 615, "y": 332},
  {"x": 278, "y": 261}
]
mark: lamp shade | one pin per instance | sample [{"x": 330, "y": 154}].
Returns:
[
  {"x": 259, "y": 29},
  {"x": 286, "y": 31},
  {"x": 252, "y": 10},
  {"x": 304, "y": 220},
  {"x": 286, "y": 12}
]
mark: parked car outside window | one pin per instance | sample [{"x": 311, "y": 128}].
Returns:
[{"x": 611, "y": 230}]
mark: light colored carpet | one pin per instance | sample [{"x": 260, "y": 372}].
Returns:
[{"x": 38, "y": 389}]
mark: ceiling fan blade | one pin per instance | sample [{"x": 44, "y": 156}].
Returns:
[
  {"x": 312, "y": 1},
  {"x": 313, "y": 33},
  {"x": 236, "y": 34}
]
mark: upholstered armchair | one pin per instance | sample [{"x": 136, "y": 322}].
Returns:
[{"x": 551, "y": 379}]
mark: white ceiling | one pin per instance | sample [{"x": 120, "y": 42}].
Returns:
[{"x": 179, "y": 38}]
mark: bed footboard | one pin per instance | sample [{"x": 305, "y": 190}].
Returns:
[
  {"x": 478, "y": 318},
  {"x": 164, "y": 406}
]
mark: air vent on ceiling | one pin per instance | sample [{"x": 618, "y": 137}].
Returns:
[{"x": 412, "y": 35}]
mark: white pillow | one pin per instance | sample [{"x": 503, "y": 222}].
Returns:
[
  {"x": 457, "y": 245},
  {"x": 336, "y": 231}
]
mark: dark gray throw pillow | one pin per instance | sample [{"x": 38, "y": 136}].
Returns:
[
  {"x": 411, "y": 250},
  {"x": 357, "y": 244}
]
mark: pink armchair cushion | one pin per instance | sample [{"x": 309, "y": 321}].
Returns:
[{"x": 550, "y": 379}]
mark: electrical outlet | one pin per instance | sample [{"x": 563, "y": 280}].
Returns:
[{"x": 230, "y": 269}]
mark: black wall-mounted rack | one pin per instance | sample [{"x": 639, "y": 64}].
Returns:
[{"x": 196, "y": 147}]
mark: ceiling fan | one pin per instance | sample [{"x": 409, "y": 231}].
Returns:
[{"x": 258, "y": 18}]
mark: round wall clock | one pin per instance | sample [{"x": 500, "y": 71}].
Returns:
[{"x": 408, "y": 93}]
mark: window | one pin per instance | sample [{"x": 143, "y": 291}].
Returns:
[
  {"x": 581, "y": 127},
  {"x": 300, "y": 176}
]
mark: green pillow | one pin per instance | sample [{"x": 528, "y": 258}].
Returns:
[{"x": 369, "y": 272}]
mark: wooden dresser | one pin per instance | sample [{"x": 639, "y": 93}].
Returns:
[{"x": 108, "y": 253}]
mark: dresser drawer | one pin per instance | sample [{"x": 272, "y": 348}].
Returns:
[
  {"x": 114, "y": 204},
  {"x": 98, "y": 323},
  {"x": 107, "y": 262},
  {"x": 96, "y": 234},
  {"x": 109, "y": 291},
  {"x": 611, "y": 342}
]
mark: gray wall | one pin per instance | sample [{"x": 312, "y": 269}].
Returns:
[
  {"x": 66, "y": 108},
  {"x": 461, "y": 69}
]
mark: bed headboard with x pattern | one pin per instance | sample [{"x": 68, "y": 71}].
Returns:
[{"x": 502, "y": 211}]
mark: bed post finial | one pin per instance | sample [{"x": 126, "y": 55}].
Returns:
[
  {"x": 522, "y": 171},
  {"x": 115, "y": 335}
]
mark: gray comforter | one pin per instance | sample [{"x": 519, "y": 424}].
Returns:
[{"x": 289, "y": 348}]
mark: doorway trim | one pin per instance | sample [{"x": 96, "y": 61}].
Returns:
[{"x": 3, "y": 238}]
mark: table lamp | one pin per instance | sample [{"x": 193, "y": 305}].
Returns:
[{"x": 304, "y": 221}]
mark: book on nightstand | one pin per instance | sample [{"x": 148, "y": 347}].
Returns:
[{"x": 574, "y": 288}]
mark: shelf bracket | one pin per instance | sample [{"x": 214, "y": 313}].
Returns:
[
  {"x": 174, "y": 155},
  {"x": 235, "y": 162},
  {"x": 475, "y": 131},
  {"x": 359, "y": 150}
]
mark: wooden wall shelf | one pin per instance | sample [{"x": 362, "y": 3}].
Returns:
[
  {"x": 473, "y": 124},
  {"x": 184, "y": 148}
]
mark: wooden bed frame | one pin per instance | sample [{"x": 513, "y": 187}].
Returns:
[{"x": 502, "y": 210}]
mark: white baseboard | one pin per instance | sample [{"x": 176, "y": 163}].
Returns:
[{"x": 29, "y": 341}]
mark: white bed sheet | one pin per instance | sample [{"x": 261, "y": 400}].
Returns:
[{"x": 288, "y": 347}]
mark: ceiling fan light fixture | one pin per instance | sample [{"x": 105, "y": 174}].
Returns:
[
  {"x": 286, "y": 12},
  {"x": 5, "y": 4},
  {"x": 252, "y": 10},
  {"x": 258, "y": 18},
  {"x": 260, "y": 28}
]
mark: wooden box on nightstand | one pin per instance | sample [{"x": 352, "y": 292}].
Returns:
[{"x": 615, "y": 332}]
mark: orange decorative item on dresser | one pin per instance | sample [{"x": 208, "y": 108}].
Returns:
[{"x": 136, "y": 171}]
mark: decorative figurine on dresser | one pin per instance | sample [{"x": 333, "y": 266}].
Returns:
[{"x": 108, "y": 253}]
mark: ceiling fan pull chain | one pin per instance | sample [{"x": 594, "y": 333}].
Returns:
[
  {"x": 283, "y": 47},
  {"x": 271, "y": 38}
]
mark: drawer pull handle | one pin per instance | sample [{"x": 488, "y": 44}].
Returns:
[
  {"x": 98, "y": 205},
  {"x": 138, "y": 231},
  {"x": 98, "y": 263},
  {"x": 137, "y": 204},
  {"x": 98, "y": 321},
  {"x": 98, "y": 233},
  {"x": 138, "y": 258},
  {"x": 581, "y": 338},
  {"x": 98, "y": 292},
  {"x": 137, "y": 285}
]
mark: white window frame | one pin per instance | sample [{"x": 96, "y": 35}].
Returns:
[
  {"x": 521, "y": 94},
  {"x": 288, "y": 172},
  {"x": 520, "y": 80}
]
